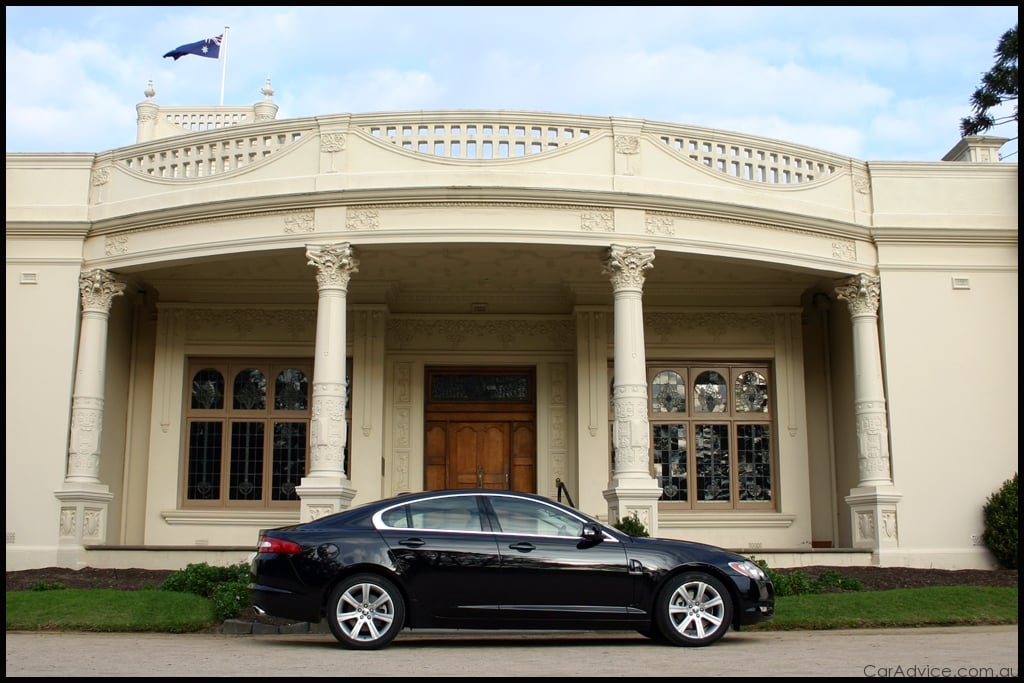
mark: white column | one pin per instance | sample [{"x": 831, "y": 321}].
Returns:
[
  {"x": 84, "y": 499},
  {"x": 98, "y": 289},
  {"x": 326, "y": 488},
  {"x": 873, "y": 503},
  {"x": 862, "y": 294},
  {"x": 633, "y": 490}
]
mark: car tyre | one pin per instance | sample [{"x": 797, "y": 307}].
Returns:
[
  {"x": 694, "y": 609},
  {"x": 365, "y": 612}
]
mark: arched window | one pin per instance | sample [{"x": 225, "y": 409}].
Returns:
[
  {"x": 208, "y": 389},
  {"x": 718, "y": 451},
  {"x": 255, "y": 452},
  {"x": 668, "y": 392}
]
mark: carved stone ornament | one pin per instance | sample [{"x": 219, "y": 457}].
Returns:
[
  {"x": 597, "y": 221},
  {"x": 626, "y": 265},
  {"x": 98, "y": 288},
  {"x": 334, "y": 264},
  {"x": 863, "y": 293},
  {"x": 332, "y": 142},
  {"x": 299, "y": 222}
]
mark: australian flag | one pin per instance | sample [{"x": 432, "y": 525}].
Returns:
[{"x": 204, "y": 48}]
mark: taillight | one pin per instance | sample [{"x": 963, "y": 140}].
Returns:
[{"x": 269, "y": 544}]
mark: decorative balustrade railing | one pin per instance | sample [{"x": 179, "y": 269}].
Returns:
[
  {"x": 479, "y": 140},
  {"x": 759, "y": 164},
  {"x": 209, "y": 156},
  {"x": 216, "y": 118},
  {"x": 477, "y": 136}
]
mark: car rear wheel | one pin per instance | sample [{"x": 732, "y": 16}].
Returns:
[
  {"x": 693, "y": 610},
  {"x": 365, "y": 612}
]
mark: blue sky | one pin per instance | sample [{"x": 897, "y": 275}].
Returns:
[{"x": 873, "y": 83}]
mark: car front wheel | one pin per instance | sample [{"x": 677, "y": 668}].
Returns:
[
  {"x": 694, "y": 609},
  {"x": 365, "y": 612}
]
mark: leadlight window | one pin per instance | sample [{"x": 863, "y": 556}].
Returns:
[
  {"x": 247, "y": 431},
  {"x": 712, "y": 436}
]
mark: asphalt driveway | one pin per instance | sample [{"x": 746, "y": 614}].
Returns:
[{"x": 977, "y": 652}]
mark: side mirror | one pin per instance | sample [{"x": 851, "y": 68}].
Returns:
[{"x": 592, "y": 533}]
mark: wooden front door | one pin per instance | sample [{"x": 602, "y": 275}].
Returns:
[{"x": 480, "y": 429}]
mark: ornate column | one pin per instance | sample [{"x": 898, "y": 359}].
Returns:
[
  {"x": 83, "y": 497},
  {"x": 873, "y": 503},
  {"x": 326, "y": 488},
  {"x": 633, "y": 490}
]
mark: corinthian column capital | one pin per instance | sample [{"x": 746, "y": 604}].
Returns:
[
  {"x": 98, "y": 289},
  {"x": 863, "y": 293},
  {"x": 626, "y": 265},
  {"x": 334, "y": 264}
]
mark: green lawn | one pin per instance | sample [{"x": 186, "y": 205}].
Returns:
[{"x": 164, "y": 611}]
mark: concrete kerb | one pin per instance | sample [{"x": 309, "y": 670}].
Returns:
[{"x": 243, "y": 627}]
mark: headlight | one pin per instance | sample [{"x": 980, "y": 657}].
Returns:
[{"x": 748, "y": 568}]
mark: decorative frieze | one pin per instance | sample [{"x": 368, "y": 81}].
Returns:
[
  {"x": 299, "y": 223},
  {"x": 597, "y": 221},
  {"x": 499, "y": 333},
  {"x": 362, "y": 219},
  {"x": 249, "y": 323},
  {"x": 656, "y": 224},
  {"x": 719, "y": 325},
  {"x": 116, "y": 245},
  {"x": 844, "y": 249}
]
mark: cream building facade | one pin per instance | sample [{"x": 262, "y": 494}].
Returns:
[{"x": 240, "y": 322}]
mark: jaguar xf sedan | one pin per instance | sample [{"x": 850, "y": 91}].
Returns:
[{"x": 487, "y": 559}]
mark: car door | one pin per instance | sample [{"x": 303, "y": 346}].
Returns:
[
  {"x": 447, "y": 561},
  {"x": 548, "y": 572}
]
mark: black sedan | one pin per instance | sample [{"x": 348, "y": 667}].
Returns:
[{"x": 486, "y": 559}]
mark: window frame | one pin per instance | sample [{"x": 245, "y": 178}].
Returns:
[
  {"x": 269, "y": 417},
  {"x": 734, "y": 419}
]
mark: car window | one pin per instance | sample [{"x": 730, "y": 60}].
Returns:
[
  {"x": 527, "y": 517},
  {"x": 455, "y": 513}
]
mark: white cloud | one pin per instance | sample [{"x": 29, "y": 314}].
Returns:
[{"x": 873, "y": 81}]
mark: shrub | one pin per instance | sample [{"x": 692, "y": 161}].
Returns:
[
  {"x": 203, "y": 578},
  {"x": 48, "y": 586},
  {"x": 1002, "y": 521},
  {"x": 796, "y": 582},
  {"x": 227, "y": 587},
  {"x": 229, "y": 598},
  {"x": 632, "y": 525},
  {"x": 831, "y": 579}
]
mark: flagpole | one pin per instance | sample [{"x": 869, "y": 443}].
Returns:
[{"x": 224, "y": 62}]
